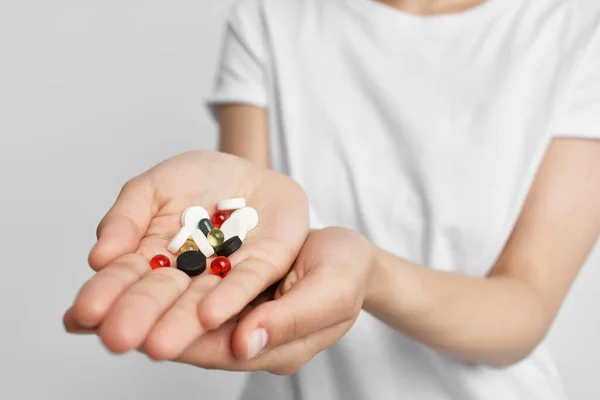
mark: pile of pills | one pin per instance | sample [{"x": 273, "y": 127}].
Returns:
[{"x": 201, "y": 237}]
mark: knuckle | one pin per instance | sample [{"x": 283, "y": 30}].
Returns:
[
  {"x": 138, "y": 183},
  {"x": 258, "y": 251},
  {"x": 94, "y": 264},
  {"x": 291, "y": 329},
  {"x": 206, "y": 316},
  {"x": 142, "y": 296},
  {"x": 125, "y": 270},
  {"x": 203, "y": 284},
  {"x": 131, "y": 184},
  {"x": 181, "y": 311},
  {"x": 131, "y": 261},
  {"x": 252, "y": 284},
  {"x": 119, "y": 280},
  {"x": 174, "y": 281}
]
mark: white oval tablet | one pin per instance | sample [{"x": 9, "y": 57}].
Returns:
[
  {"x": 202, "y": 243},
  {"x": 231, "y": 204},
  {"x": 248, "y": 215},
  {"x": 234, "y": 227},
  {"x": 193, "y": 215},
  {"x": 179, "y": 239}
]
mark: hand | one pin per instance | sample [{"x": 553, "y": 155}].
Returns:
[
  {"x": 314, "y": 306},
  {"x": 163, "y": 311}
]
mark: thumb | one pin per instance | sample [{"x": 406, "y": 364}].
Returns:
[
  {"x": 319, "y": 300},
  {"x": 122, "y": 228}
]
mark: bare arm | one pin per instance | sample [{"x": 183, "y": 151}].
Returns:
[
  {"x": 244, "y": 132},
  {"x": 500, "y": 319}
]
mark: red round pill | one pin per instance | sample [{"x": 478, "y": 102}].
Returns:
[
  {"x": 219, "y": 217},
  {"x": 220, "y": 266},
  {"x": 160, "y": 261}
]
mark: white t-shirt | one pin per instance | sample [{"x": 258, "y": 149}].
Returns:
[{"x": 424, "y": 134}]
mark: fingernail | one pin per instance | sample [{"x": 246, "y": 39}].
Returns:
[{"x": 257, "y": 342}]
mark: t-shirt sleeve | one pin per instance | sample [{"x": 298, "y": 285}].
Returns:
[
  {"x": 241, "y": 74},
  {"x": 578, "y": 113}
]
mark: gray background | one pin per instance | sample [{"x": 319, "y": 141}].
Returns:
[{"x": 91, "y": 94}]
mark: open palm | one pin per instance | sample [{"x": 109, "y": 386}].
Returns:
[{"x": 163, "y": 311}]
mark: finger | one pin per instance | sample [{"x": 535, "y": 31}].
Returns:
[
  {"x": 99, "y": 293},
  {"x": 243, "y": 284},
  {"x": 286, "y": 284},
  {"x": 267, "y": 295},
  {"x": 213, "y": 351},
  {"x": 244, "y": 312},
  {"x": 72, "y": 326},
  {"x": 179, "y": 326},
  {"x": 122, "y": 228},
  {"x": 319, "y": 300},
  {"x": 248, "y": 278},
  {"x": 132, "y": 316},
  {"x": 287, "y": 359}
]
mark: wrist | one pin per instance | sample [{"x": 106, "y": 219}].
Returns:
[
  {"x": 395, "y": 284},
  {"x": 373, "y": 285}
]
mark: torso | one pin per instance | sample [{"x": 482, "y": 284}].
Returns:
[{"x": 424, "y": 134}]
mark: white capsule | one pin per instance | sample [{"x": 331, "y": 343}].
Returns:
[
  {"x": 193, "y": 215},
  {"x": 202, "y": 243},
  {"x": 248, "y": 215},
  {"x": 231, "y": 204},
  {"x": 234, "y": 227},
  {"x": 179, "y": 239}
]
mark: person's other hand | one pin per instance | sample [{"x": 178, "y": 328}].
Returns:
[
  {"x": 313, "y": 307},
  {"x": 162, "y": 312}
]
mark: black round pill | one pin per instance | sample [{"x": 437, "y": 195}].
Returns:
[
  {"x": 205, "y": 226},
  {"x": 192, "y": 263},
  {"x": 229, "y": 247}
]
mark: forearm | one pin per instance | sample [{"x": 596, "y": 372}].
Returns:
[
  {"x": 495, "y": 321},
  {"x": 243, "y": 131},
  {"x": 500, "y": 319}
]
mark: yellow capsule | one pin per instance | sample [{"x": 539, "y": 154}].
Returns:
[
  {"x": 189, "y": 245},
  {"x": 215, "y": 237}
]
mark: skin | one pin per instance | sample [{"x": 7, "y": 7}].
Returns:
[
  {"x": 329, "y": 275},
  {"x": 131, "y": 307},
  {"x": 432, "y": 7},
  {"x": 494, "y": 321},
  {"x": 500, "y": 319}
]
